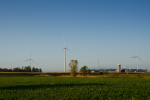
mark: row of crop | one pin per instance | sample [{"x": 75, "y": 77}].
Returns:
[
  {"x": 63, "y": 73},
  {"x": 39, "y": 73}
]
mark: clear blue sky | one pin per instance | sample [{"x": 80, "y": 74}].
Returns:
[{"x": 113, "y": 30}]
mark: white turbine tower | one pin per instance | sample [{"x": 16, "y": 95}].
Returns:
[
  {"x": 30, "y": 60},
  {"x": 137, "y": 59},
  {"x": 98, "y": 64},
  {"x": 65, "y": 55},
  {"x": 127, "y": 68}
]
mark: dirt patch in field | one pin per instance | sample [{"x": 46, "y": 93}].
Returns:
[{"x": 45, "y": 75}]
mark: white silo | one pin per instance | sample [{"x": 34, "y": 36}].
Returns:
[{"x": 119, "y": 68}]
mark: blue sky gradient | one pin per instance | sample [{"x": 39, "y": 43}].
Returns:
[{"x": 113, "y": 30}]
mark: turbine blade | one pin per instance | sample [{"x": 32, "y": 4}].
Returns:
[
  {"x": 31, "y": 54},
  {"x": 60, "y": 51},
  {"x": 64, "y": 41},
  {"x": 26, "y": 60},
  {"x": 33, "y": 60},
  {"x": 140, "y": 59},
  {"x": 70, "y": 50},
  {"x": 139, "y": 52},
  {"x": 134, "y": 57}
]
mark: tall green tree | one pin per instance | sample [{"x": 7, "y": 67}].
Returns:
[
  {"x": 84, "y": 70},
  {"x": 73, "y": 67},
  {"x": 33, "y": 69},
  {"x": 88, "y": 71},
  {"x": 36, "y": 69},
  {"x": 40, "y": 70},
  {"x": 27, "y": 69}
]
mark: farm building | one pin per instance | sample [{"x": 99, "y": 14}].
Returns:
[{"x": 115, "y": 70}]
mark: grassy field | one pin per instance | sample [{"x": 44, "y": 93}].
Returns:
[{"x": 46, "y": 88}]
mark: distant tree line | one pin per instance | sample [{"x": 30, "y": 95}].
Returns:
[{"x": 24, "y": 69}]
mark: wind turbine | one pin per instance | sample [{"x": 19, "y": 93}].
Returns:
[
  {"x": 137, "y": 59},
  {"x": 98, "y": 64},
  {"x": 30, "y": 60},
  {"x": 65, "y": 55}
]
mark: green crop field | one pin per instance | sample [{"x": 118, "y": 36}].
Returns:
[{"x": 56, "y": 88}]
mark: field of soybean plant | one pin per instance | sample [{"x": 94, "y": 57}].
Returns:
[{"x": 56, "y": 88}]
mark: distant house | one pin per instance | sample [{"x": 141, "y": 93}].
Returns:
[{"x": 92, "y": 70}]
